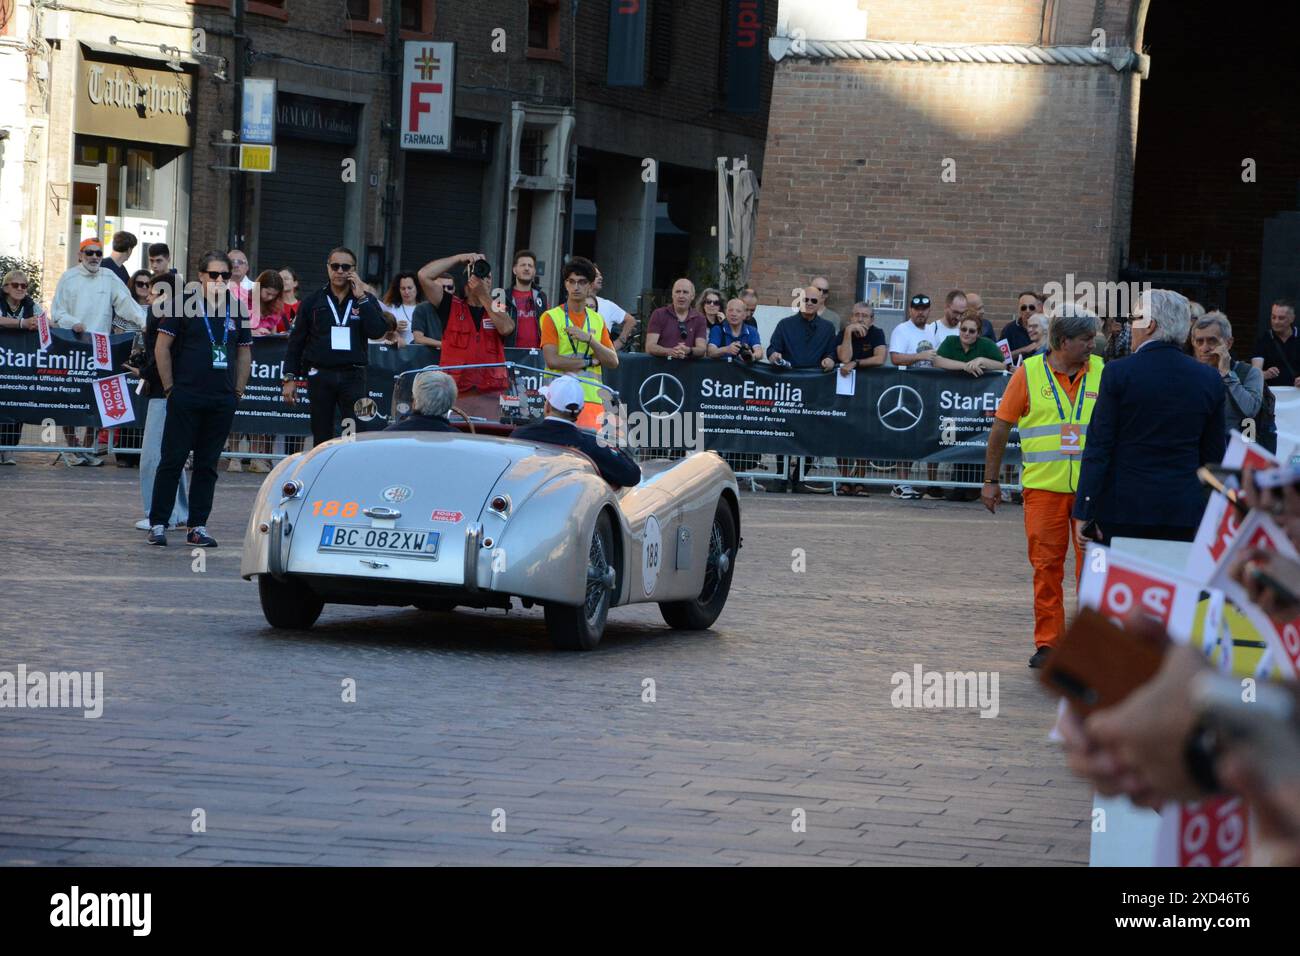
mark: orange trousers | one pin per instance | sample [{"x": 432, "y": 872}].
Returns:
[{"x": 1050, "y": 533}]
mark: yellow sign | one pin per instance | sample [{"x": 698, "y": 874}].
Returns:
[{"x": 256, "y": 159}]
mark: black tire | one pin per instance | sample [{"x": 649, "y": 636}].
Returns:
[
  {"x": 441, "y": 606},
  {"x": 700, "y": 613},
  {"x": 580, "y": 627},
  {"x": 288, "y": 604}
]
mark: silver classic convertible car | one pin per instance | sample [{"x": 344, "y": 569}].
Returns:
[{"x": 479, "y": 519}]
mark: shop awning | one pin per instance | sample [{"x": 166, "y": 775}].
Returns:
[{"x": 137, "y": 49}]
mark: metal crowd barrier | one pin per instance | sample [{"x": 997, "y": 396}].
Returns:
[{"x": 750, "y": 468}]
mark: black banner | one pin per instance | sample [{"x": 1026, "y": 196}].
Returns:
[
  {"x": 263, "y": 409},
  {"x": 626, "y": 48},
  {"x": 910, "y": 415},
  {"x": 917, "y": 414},
  {"x": 745, "y": 52},
  {"x": 55, "y": 384}
]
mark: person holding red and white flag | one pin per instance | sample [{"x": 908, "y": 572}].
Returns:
[{"x": 87, "y": 299}]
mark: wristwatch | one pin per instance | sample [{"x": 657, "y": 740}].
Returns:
[{"x": 1199, "y": 756}]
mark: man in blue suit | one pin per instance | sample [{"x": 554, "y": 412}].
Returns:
[
  {"x": 565, "y": 399},
  {"x": 1159, "y": 417}
]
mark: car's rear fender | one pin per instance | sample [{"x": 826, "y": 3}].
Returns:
[
  {"x": 541, "y": 552},
  {"x": 302, "y": 468}
]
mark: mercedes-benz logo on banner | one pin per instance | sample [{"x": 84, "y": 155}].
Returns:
[
  {"x": 900, "y": 408},
  {"x": 662, "y": 395}
]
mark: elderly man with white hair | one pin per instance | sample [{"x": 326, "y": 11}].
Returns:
[
  {"x": 1159, "y": 417},
  {"x": 432, "y": 396}
]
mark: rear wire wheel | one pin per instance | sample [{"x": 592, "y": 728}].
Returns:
[{"x": 579, "y": 627}]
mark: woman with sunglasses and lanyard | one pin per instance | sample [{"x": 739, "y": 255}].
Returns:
[{"x": 19, "y": 311}]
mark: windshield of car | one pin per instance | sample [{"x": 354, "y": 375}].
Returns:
[{"x": 519, "y": 403}]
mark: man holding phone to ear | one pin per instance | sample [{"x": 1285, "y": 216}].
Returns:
[{"x": 329, "y": 344}]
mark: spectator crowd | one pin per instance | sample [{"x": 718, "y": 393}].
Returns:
[{"x": 1115, "y": 418}]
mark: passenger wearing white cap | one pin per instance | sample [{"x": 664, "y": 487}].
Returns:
[{"x": 565, "y": 399}]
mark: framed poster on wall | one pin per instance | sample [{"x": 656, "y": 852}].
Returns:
[{"x": 883, "y": 283}]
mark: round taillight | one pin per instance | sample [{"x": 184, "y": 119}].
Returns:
[
  {"x": 290, "y": 489},
  {"x": 500, "y": 503}
]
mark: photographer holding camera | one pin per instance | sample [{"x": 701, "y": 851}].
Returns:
[
  {"x": 473, "y": 325},
  {"x": 328, "y": 344},
  {"x": 733, "y": 340}
]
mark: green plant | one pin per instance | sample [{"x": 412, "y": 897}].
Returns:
[
  {"x": 727, "y": 277},
  {"x": 30, "y": 266}
]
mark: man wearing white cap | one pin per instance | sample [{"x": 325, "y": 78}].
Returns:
[{"x": 565, "y": 399}]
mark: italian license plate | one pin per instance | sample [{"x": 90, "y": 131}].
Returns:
[{"x": 398, "y": 541}]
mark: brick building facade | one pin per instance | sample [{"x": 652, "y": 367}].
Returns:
[
  {"x": 995, "y": 145},
  {"x": 533, "y": 116}
]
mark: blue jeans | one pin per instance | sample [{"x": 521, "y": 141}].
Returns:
[{"x": 151, "y": 454}]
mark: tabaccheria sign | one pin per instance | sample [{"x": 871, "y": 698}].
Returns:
[{"x": 116, "y": 88}]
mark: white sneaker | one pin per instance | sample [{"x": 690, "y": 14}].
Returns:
[
  {"x": 906, "y": 492},
  {"x": 93, "y": 460},
  {"x": 143, "y": 525},
  {"x": 233, "y": 465},
  {"x": 260, "y": 465}
]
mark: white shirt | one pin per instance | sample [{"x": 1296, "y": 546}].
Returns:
[
  {"x": 611, "y": 312},
  {"x": 92, "y": 299},
  {"x": 942, "y": 331},
  {"x": 402, "y": 311},
  {"x": 907, "y": 339},
  {"x": 246, "y": 283}
]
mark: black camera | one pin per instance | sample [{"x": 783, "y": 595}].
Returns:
[
  {"x": 746, "y": 353},
  {"x": 481, "y": 268}
]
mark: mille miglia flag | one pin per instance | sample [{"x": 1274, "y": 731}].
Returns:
[{"x": 114, "y": 402}]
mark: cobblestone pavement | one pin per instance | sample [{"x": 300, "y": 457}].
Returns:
[{"x": 784, "y": 706}]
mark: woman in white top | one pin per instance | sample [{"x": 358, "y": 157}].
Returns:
[{"x": 400, "y": 300}]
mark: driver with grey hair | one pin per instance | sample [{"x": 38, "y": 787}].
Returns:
[
  {"x": 432, "y": 396},
  {"x": 1159, "y": 417}
]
